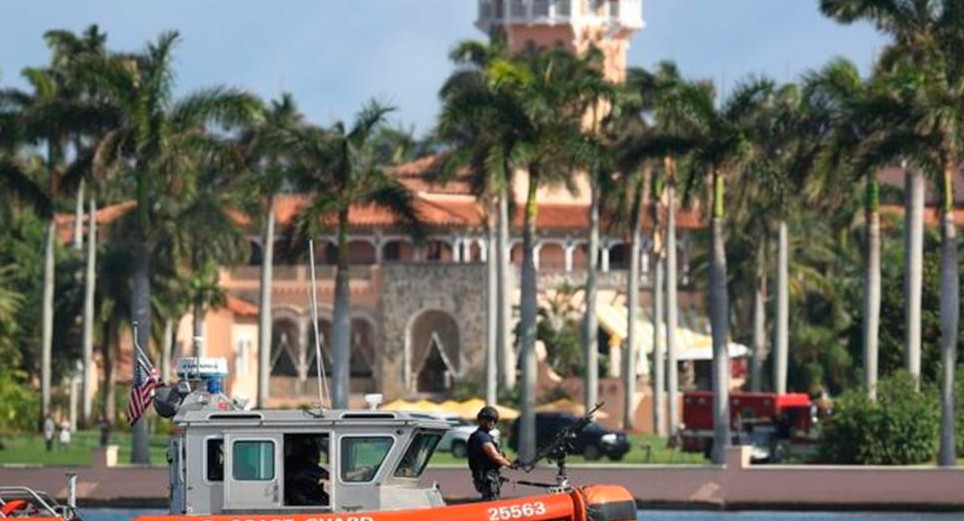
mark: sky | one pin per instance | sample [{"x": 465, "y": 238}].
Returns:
[{"x": 335, "y": 55}]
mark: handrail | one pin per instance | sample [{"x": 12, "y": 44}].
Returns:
[{"x": 4, "y": 490}]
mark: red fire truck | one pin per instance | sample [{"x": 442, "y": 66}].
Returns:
[{"x": 774, "y": 424}]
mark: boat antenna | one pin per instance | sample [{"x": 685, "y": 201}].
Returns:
[{"x": 320, "y": 362}]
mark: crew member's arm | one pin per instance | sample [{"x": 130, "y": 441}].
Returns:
[{"x": 493, "y": 454}]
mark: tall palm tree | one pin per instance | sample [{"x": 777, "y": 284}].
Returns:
[
  {"x": 598, "y": 98},
  {"x": 723, "y": 151},
  {"x": 270, "y": 166},
  {"x": 340, "y": 168},
  {"x": 157, "y": 140},
  {"x": 838, "y": 92},
  {"x": 49, "y": 116},
  {"x": 542, "y": 105},
  {"x": 674, "y": 105},
  {"x": 482, "y": 142},
  {"x": 786, "y": 137},
  {"x": 918, "y": 28},
  {"x": 69, "y": 50}
]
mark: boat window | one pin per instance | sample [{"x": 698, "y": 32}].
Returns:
[
  {"x": 307, "y": 481},
  {"x": 253, "y": 460},
  {"x": 417, "y": 455},
  {"x": 214, "y": 458},
  {"x": 362, "y": 456}
]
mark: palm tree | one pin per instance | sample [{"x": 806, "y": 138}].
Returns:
[
  {"x": 598, "y": 98},
  {"x": 49, "y": 116},
  {"x": 473, "y": 122},
  {"x": 483, "y": 143},
  {"x": 341, "y": 168},
  {"x": 723, "y": 151},
  {"x": 69, "y": 50},
  {"x": 270, "y": 167},
  {"x": 156, "y": 141},
  {"x": 542, "y": 106},
  {"x": 674, "y": 105},
  {"x": 918, "y": 30},
  {"x": 786, "y": 139},
  {"x": 838, "y": 92}
]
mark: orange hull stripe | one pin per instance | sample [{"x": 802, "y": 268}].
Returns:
[{"x": 533, "y": 508}]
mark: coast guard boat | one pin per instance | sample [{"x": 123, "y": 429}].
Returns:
[{"x": 231, "y": 464}]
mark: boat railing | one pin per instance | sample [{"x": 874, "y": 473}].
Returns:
[{"x": 39, "y": 499}]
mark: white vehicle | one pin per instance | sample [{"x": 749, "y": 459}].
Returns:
[{"x": 456, "y": 439}]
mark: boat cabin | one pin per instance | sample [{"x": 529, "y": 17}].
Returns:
[{"x": 225, "y": 459}]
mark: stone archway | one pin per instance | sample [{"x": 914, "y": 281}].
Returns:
[
  {"x": 285, "y": 342},
  {"x": 435, "y": 351}
]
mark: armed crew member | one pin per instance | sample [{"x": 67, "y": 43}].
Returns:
[{"x": 485, "y": 460}]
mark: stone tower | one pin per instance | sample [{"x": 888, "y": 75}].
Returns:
[{"x": 572, "y": 24}]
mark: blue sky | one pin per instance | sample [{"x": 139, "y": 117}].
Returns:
[{"x": 334, "y": 55}]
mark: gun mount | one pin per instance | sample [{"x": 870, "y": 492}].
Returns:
[{"x": 556, "y": 452}]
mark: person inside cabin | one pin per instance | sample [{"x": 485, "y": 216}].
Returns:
[
  {"x": 485, "y": 459},
  {"x": 305, "y": 476}
]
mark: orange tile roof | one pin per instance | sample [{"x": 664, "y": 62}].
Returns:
[
  {"x": 240, "y": 307},
  {"x": 932, "y": 214},
  {"x": 420, "y": 176},
  {"x": 439, "y": 206}
]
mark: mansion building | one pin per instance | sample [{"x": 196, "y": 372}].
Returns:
[{"x": 418, "y": 311}]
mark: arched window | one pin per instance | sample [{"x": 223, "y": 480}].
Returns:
[
  {"x": 397, "y": 250},
  {"x": 284, "y": 347},
  {"x": 434, "y": 351},
  {"x": 361, "y": 253}
]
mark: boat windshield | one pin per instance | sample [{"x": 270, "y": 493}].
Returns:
[{"x": 417, "y": 455}]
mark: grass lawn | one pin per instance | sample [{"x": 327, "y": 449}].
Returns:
[
  {"x": 657, "y": 454},
  {"x": 29, "y": 449}
]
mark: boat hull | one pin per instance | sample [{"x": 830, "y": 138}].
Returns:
[{"x": 594, "y": 503}]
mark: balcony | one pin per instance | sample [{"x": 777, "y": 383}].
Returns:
[{"x": 627, "y": 14}]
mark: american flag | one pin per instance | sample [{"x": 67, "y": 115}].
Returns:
[{"x": 146, "y": 379}]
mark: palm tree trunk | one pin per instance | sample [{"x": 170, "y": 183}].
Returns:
[
  {"x": 79, "y": 217},
  {"x": 341, "y": 321},
  {"x": 492, "y": 306},
  {"x": 90, "y": 283},
  {"x": 632, "y": 334},
  {"x": 264, "y": 308},
  {"x": 759, "y": 320},
  {"x": 950, "y": 309},
  {"x": 529, "y": 311},
  {"x": 913, "y": 269},
  {"x": 719, "y": 319},
  {"x": 141, "y": 313},
  {"x": 166, "y": 347},
  {"x": 659, "y": 362},
  {"x": 198, "y": 325},
  {"x": 672, "y": 367},
  {"x": 590, "y": 333},
  {"x": 47, "y": 320},
  {"x": 872, "y": 287},
  {"x": 109, "y": 411},
  {"x": 507, "y": 358},
  {"x": 782, "y": 327}
]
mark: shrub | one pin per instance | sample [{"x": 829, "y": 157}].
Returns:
[{"x": 901, "y": 428}]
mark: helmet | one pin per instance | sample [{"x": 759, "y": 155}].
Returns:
[{"x": 488, "y": 413}]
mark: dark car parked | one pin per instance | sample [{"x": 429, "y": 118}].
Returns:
[{"x": 593, "y": 442}]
